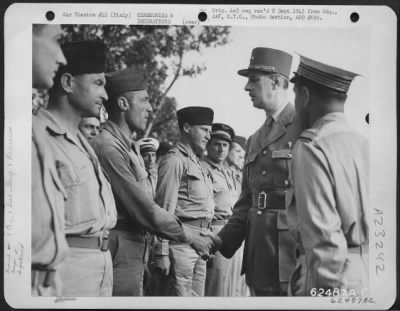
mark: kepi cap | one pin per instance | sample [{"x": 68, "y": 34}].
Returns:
[
  {"x": 269, "y": 61},
  {"x": 222, "y": 131},
  {"x": 331, "y": 77},
  {"x": 125, "y": 80},
  {"x": 148, "y": 144},
  {"x": 195, "y": 115},
  {"x": 84, "y": 57}
]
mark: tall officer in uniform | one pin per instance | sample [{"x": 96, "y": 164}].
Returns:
[
  {"x": 49, "y": 246},
  {"x": 329, "y": 200},
  {"x": 129, "y": 109},
  {"x": 259, "y": 216},
  {"x": 185, "y": 190},
  {"x": 218, "y": 268},
  {"x": 90, "y": 211}
]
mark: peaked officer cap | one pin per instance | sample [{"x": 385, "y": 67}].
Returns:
[
  {"x": 222, "y": 131},
  {"x": 195, "y": 115},
  {"x": 331, "y": 77},
  {"x": 241, "y": 141},
  {"x": 269, "y": 61},
  {"x": 124, "y": 80},
  {"x": 84, "y": 57},
  {"x": 148, "y": 144}
]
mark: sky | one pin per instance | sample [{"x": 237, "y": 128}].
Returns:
[{"x": 221, "y": 88}]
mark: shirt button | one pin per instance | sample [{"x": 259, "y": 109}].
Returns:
[
  {"x": 264, "y": 152},
  {"x": 264, "y": 172}
]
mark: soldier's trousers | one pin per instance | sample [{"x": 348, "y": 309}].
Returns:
[
  {"x": 128, "y": 257},
  {"x": 86, "y": 273},
  {"x": 188, "y": 271}
]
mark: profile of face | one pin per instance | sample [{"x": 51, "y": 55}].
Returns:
[
  {"x": 198, "y": 135},
  {"x": 89, "y": 127},
  {"x": 236, "y": 156},
  {"x": 150, "y": 159},
  {"x": 262, "y": 91},
  {"x": 138, "y": 109},
  {"x": 47, "y": 55},
  {"x": 87, "y": 93},
  {"x": 217, "y": 150}
]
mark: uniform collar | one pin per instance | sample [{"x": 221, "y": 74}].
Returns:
[
  {"x": 186, "y": 151},
  {"x": 116, "y": 131},
  {"x": 213, "y": 165},
  {"x": 329, "y": 117}
]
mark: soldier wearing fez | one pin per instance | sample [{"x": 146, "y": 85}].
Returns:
[
  {"x": 49, "y": 246},
  {"x": 185, "y": 190},
  {"x": 328, "y": 202},
  {"x": 89, "y": 207},
  {"x": 128, "y": 110},
  {"x": 260, "y": 215}
]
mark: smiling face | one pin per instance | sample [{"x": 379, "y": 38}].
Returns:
[
  {"x": 262, "y": 91},
  {"x": 88, "y": 94},
  {"x": 47, "y": 55},
  {"x": 199, "y": 135},
  {"x": 139, "y": 110},
  {"x": 236, "y": 155},
  {"x": 217, "y": 150}
]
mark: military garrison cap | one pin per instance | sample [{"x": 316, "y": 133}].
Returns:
[
  {"x": 148, "y": 144},
  {"x": 269, "y": 61},
  {"x": 241, "y": 141},
  {"x": 84, "y": 57},
  {"x": 331, "y": 77},
  {"x": 124, "y": 80},
  {"x": 195, "y": 115},
  {"x": 222, "y": 131}
]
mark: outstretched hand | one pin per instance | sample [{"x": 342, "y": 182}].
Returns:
[
  {"x": 203, "y": 244},
  {"x": 216, "y": 241}
]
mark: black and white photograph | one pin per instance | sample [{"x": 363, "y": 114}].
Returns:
[{"x": 241, "y": 155}]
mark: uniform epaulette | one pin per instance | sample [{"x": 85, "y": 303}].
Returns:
[{"x": 308, "y": 135}]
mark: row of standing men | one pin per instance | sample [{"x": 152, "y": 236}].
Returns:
[{"x": 88, "y": 199}]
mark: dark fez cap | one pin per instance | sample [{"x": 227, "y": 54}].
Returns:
[
  {"x": 84, "y": 57},
  {"x": 124, "y": 80},
  {"x": 269, "y": 61},
  {"x": 222, "y": 131},
  {"x": 195, "y": 116},
  {"x": 241, "y": 141},
  {"x": 331, "y": 77}
]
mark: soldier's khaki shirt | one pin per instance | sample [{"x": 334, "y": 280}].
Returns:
[
  {"x": 224, "y": 189},
  {"x": 89, "y": 207},
  {"x": 184, "y": 187},
  {"x": 328, "y": 204}
]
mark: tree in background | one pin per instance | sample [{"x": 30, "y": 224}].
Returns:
[{"x": 160, "y": 51}]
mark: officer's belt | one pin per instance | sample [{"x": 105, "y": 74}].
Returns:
[
  {"x": 271, "y": 200},
  {"x": 125, "y": 225},
  {"x": 43, "y": 276},
  {"x": 98, "y": 242},
  {"x": 219, "y": 222},
  {"x": 201, "y": 223}
]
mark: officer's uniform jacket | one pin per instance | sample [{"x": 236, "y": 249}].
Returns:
[
  {"x": 261, "y": 219},
  {"x": 49, "y": 246},
  {"x": 137, "y": 211},
  {"x": 328, "y": 208},
  {"x": 184, "y": 188}
]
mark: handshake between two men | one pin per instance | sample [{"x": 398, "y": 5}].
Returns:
[{"x": 206, "y": 244}]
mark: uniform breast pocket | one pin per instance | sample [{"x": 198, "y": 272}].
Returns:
[
  {"x": 251, "y": 168},
  {"x": 72, "y": 176},
  {"x": 196, "y": 187}
]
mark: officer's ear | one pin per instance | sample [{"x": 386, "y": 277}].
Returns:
[
  {"x": 186, "y": 127},
  {"x": 66, "y": 82},
  {"x": 306, "y": 95},
  {"x": 123, "y": 103}
]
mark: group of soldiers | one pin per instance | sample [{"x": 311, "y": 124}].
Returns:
[{"x": 113, "y": 217}]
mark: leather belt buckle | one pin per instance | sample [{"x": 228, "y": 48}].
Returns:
[{"x": 262, "y": 200}]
